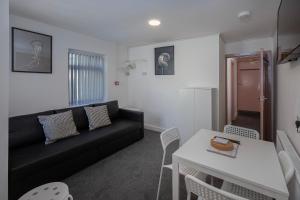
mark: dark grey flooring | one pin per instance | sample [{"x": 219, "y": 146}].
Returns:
[{"x": 130, "y": 174}]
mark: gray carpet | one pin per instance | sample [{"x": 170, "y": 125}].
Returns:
[{"x": 130, "y": 174}]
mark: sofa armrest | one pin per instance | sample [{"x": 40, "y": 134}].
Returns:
[{"x": 133, "y": 115}]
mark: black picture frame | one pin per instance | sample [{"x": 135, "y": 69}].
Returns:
[
  {"x": 14, "y": 68},
  {"x": 164, "y": 60}
]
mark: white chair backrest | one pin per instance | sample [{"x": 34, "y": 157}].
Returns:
[
  {"x": 168, "y": 136},
  {"x": 246, "y": 132},
  {"x": 206, "y": 191},
  {"x": 286, "y": 165}
]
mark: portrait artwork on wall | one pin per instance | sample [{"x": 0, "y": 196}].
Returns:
[
  {"x": 164, "y": 60},
  {"x": 31, "y": 51}
]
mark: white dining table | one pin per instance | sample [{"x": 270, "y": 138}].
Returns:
[{"x": 255, "y": 167}]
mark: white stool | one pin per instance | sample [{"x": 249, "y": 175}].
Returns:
[{"x": 49, "y": 191}]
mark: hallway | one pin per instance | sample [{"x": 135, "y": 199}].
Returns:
[{"x": 248, "y": 120}]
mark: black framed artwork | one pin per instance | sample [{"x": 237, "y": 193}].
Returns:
[
  {"x": 164, "y": 60},
  {"x": 31, "y": 51}
]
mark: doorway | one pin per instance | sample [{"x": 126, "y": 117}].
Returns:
[{"x": 249, "y": 83}]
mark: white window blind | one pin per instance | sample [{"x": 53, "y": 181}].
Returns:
[{"x": 86, "y": 77}]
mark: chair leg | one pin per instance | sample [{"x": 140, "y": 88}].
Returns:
[
  {"x": 159, "y": 183},
  {"x": 69, "y": 197},
  {"x": 188, "y": 196},
  {"x": 212, "y": 180}
]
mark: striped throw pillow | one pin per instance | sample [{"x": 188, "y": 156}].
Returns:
[
  {"x": 97, "y": 116},
  {"x": 58, "y": 126}
]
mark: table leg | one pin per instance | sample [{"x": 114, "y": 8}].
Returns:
[{"x": 175, "y": 179}]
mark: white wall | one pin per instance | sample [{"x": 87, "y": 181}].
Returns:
[
  {"x": 288, "y": 100},
  {"x": 122, "y": 89},
  {"x": 249, "y": 46},
  {"x": 4, "y": 86},
  {"x": 196, "y": 64},
  {"x": 31, "y": 93}
]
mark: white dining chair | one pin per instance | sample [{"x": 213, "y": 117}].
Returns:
[
  {"x": 205, "y": 191},
  {"x": 245, "y": 132},
  {"x": 288, "y": 170},
  {"x": 167, "y": 138}
]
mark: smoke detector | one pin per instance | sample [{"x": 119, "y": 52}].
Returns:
[{"x": 244, "y": 15}]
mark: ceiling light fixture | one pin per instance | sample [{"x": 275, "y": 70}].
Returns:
[
  {"x": 154, "y": 22},
  {"x": 244, "y": 15}
]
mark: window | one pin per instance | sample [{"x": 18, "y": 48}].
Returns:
[{"x": 86, "y": 77}]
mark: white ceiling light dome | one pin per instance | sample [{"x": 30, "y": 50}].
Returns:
[
  {"x": 154, "y": 22},
  {"x": 244, "y": 15}
]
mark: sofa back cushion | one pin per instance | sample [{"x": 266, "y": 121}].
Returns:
[
  {"x": 112, "y": 107},
  {"x": 79, "y": 116},
  {"x": 26, "y": 130}
]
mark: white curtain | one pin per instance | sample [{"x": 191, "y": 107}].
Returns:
[{"x": 86, "y": 77}]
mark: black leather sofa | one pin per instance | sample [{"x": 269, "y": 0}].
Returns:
[{"x": 32, "y": 163}]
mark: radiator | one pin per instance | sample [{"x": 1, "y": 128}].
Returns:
[{"x": 283, "y": 143}]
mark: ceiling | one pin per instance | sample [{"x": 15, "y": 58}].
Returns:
[{"x": 125, "y": 21}]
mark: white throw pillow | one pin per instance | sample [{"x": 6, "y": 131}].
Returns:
[
  {"x": 97, "y": 116},
  {"x": 58, "y": 126}
]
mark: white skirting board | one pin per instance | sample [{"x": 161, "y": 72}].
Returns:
[
  {"x": 283, "y": 143},
  {"x": 146, "y": 126},
  {"x": 153, "y": 128}
]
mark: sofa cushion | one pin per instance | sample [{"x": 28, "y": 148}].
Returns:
[
  {"x": 58, "y": 126},
  {"x": 112, "y": 107},
  {"x": 26, "y": 130},
  {"x": 38, "y": 156},
  {"x": 79, "y": 116}
]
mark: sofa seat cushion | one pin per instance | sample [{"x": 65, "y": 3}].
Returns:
[{"x": 37, "y": 157}]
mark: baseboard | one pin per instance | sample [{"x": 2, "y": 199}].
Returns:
[{"x": 153, "y": 128}]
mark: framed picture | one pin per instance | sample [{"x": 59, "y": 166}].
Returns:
[
  {"x": 164, "y": 60},
  {"x": 31, "y": 51}
]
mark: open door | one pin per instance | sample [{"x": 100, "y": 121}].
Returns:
[{"x": 253, "y": 88}]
